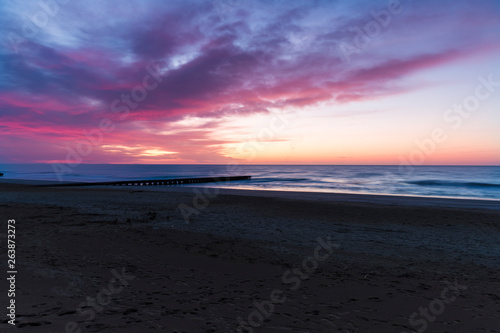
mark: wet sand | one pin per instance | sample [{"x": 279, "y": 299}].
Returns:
[{"x": 123, "y": 259}]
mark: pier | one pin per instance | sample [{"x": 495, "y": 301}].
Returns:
[{"x": 157, "y": 182}]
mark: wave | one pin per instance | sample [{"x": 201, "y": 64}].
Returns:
[
  {"x": 451, "y": 183},
  {"x": 368, "y": 174},
  {"x": 278, "y": 179}
]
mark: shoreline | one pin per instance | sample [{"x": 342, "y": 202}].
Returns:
[{"x": 386, "y": 199}]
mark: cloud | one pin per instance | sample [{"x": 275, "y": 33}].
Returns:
[{"x": 247, "y": 59}]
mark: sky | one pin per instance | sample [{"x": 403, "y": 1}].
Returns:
[{"x": 253, "y": 82}]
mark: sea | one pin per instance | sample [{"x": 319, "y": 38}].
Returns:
[{"x": 477, "y": 182}]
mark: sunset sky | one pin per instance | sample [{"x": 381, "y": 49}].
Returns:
[{"x": 281, "y": 82}]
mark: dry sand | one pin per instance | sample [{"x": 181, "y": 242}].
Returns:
[{"x": 387, "y": 258}]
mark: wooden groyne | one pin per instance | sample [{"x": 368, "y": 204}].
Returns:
[{"x": 157, "y": 182}]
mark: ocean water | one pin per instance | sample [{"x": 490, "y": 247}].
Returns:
[{"x": 441, "y": 181}]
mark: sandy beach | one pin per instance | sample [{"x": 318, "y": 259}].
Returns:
[{"x": 128, "y": 259}]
